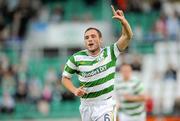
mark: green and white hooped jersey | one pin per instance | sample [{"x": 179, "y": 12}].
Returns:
[
  {"x": 96, "y": 74},
  {"x": 132, "y": 87}
]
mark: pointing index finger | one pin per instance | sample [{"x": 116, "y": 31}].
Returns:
[{"x": 113, "y": 10}]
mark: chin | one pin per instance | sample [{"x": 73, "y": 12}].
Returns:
[{"x": 92, "y": 50}]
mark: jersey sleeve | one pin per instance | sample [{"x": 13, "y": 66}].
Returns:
[
  {"x": 70, "y": 67},
  {"x": 115, "y": 52}
]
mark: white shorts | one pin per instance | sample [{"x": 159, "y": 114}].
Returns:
[
  {"x": 97, "y": 111},
  {"x": 125, "y": 117}
]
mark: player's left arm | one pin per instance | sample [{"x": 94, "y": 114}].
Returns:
[
  {"x": 136, "y": 98},
  {"x": 127, "y": 33},
  {"x": 139, "y": 94}
]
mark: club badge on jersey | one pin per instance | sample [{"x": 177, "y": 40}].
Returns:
[{"x": 101, "y": 57}]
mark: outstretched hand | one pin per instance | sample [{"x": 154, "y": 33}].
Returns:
[{"x": 117, "y": 14}]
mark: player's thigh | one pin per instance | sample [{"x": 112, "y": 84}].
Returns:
[
  {"x": 85, "y": 113},
  {"x": 85, "y": 117},
  {"x": 109, "y": 116}
]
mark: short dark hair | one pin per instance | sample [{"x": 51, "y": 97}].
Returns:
[
  {"x": 98, "y": 31},
  {"x": 125, "y": 64}
]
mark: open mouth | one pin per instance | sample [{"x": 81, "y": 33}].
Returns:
[{"x": 90, "y": 44}]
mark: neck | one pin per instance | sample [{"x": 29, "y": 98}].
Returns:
[
  {"x": 94, "y": 53},
  {"x": 126, "y": 79}
]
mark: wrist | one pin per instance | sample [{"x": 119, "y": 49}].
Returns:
[
  {"x": 74, "y": 90},
  {"x": 123, "y": 21}
]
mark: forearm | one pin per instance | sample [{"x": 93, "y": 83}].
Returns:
[
  {"x": 68, "y": 84},
  {"x": 126, "y": 35},
  {"x": 137, "y": 98},
  {"x": 126, "y": 29}
]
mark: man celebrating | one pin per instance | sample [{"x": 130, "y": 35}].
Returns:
[{"x": 95, "y": 67}]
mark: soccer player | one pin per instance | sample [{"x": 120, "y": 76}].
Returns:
[
  {"x": 130, "y": 96},
  {"x": 95, "y": 67}
]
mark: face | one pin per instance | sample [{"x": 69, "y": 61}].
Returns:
[
  {"x": 92, "y": 41},
  {"x": 126, "y": 72}
]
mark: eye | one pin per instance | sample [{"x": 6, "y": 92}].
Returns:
[
  {"x": 86, "y": 37},
  {"x": 93, "y": 36}
]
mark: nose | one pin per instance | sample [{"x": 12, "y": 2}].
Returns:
[{"x": 90, "y": 40}]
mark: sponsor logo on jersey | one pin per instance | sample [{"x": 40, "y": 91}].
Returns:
[{"x": 94, "y": 72}]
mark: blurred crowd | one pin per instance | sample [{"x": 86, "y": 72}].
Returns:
[
  {"x": 166, "y": 26},
  {"x": 17, "y": 16},
  {"x": 17, "y": 86}
]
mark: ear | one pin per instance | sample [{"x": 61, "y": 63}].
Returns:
[{"x": 101, "y": 41}]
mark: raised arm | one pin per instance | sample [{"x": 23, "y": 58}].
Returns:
[{"x": 127, "y": 33}]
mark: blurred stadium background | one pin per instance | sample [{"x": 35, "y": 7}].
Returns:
[{"x": 37, "y": 37}]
